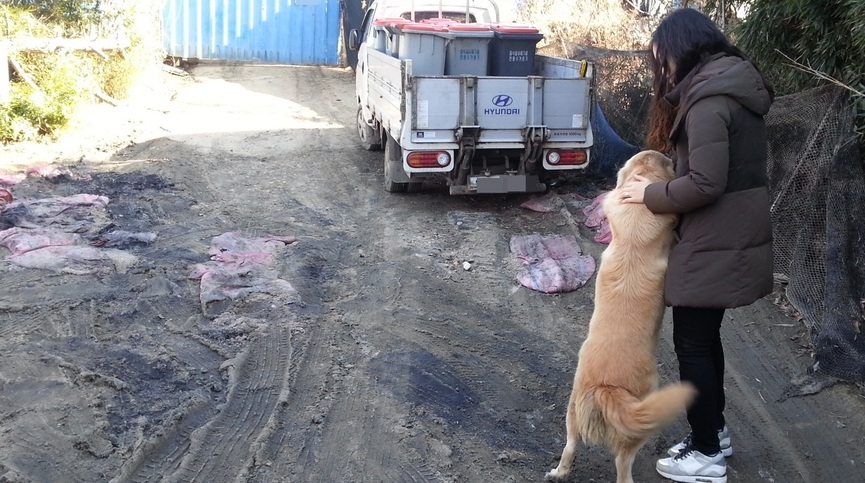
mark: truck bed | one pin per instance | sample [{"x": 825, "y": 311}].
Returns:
[{"x": 438, "y": 108}]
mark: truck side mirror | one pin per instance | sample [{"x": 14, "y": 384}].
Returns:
[{"x": 353, "y": 40}]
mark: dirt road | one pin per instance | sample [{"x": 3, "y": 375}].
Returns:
[{"x": 384, "y": 360}]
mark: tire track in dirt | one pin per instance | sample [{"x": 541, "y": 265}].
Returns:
[
  {"x": 257, "y": 381},
  {"x": 273, "y": 455},
  {"x": 27, "y": 309},
  {"x": 18, "y": 322},
  {"x": 162, "y": 454}
]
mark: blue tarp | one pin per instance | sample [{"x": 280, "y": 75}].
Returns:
[{"x": 609, "y": 151}]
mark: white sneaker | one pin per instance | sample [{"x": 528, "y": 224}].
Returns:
[
  {"x": 691, "y": 466},
  {"x": 723, "y": 439}
]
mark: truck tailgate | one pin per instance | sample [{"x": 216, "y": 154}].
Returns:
[{"x": 503, "y": 106}]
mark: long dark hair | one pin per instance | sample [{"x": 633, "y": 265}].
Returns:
[{"x": 686, "y": 38}]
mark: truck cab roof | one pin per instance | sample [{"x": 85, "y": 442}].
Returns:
[{"x": 468, "y": 11}]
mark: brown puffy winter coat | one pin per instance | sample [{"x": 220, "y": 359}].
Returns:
[{"x": 723, "y": 252}]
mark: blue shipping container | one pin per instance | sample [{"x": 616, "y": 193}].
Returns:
[{"x": 272, "y": 31}]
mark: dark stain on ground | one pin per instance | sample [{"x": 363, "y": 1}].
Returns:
[
  {"x": 12, "y": 216},
  {"x": 129, "y": 196},
  {"x": 114, "y": 185},
  {"x": 425, "y": 380}
]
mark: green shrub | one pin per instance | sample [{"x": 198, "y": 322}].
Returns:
[
  {"x": 74, "y": 17},
  {"x": 29, "y": 115},
  {"x": 64, "y": 80},
  {"x": 822, "y": 35}
]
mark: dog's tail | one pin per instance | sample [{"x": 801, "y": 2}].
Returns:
[{"x": 637, "y": 418}]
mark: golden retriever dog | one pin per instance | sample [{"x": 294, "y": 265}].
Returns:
[{"x": 615, "y": 400}]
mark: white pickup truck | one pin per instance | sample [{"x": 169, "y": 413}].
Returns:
[{"x": 488, "y": 115}]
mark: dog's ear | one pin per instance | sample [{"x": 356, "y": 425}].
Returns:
[
  {"x": 629, "y": 169},
  {"x": 656, "y": 166}
]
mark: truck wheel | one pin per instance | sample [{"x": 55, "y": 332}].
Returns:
[
  {"x": 393, "y": 167},
  {"x": 369, "y": 137}
]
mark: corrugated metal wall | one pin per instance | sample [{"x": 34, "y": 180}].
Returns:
[{"x": 275, "y": 31}]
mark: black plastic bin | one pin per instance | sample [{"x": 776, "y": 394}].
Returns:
[
  {"x": 512, "y": 50},
  {"x": 468, "y": 49}
]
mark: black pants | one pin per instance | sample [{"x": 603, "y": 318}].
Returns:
[{"x": 697, "y": 340}]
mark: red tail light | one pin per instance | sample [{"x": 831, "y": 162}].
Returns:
[
  {"x": 573, "y": 157},
  {"x": 428, "y": 159}
]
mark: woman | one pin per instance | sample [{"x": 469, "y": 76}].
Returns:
[{"x": 709, "y": 103}]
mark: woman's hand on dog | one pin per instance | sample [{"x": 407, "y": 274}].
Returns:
[{"x": 634, "y": 190}]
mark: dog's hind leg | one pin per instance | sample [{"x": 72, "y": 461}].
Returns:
[
  {"x": 625, "y": 455},
  {"x": 573, "y": 439}
]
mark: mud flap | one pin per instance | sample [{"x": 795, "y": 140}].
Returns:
[{"x": 395, "y": 171}]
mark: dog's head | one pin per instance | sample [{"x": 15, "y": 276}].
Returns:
[
  {"x": 633, "y": 222},
  {"x": 651, "y": 165}
]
